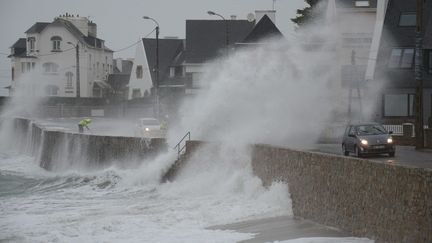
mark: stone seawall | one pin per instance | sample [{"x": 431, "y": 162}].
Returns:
[
  {"x": 383, "y": 202},
  {"x": 57, "y": 150}
]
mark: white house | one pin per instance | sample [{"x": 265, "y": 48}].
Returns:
[
  {"x": 49, "y": 53},
  {"x": 140, "y": 82}
]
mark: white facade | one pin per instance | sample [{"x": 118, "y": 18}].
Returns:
[
  {"x": 140, "y": 82},
  {"x": 51, "y": 57}
]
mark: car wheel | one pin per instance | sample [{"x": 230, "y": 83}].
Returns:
[
  {"x": 391, "y": 154},
  {"x": 344, "y": 151},
  {"x": 357, "y": 152}
]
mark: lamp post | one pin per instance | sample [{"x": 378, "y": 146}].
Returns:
[
  {"x": 226, "y": 28},
  {"x": 157, "y": 65},
  {"x": 418, "y": 72},
  {"x": 77, "y": 68}
]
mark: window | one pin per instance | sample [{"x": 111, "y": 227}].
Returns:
[
  {"x": 27, "y": 66},
  {"x": 139, "y": 72},
  {"x": 56, "y": 41},
  {"x": 401, "y": 58},
  {"x": 136, "y": 93},
  {"x": 90, "y": 61},
  {"x": 407, "y": 19},
  {"x": 31, "y": 43},
  {"x": 69, "y": 80},
  {"x": 172, "y": 71},
  {"x": 50, "y": 67},
  {"x": 362, "y": 3},
  {"x": 51, "y": 90},
  {"x": 430, "y": 62},
  {"x": 351, "y": 130},
  {"x": 399, "y": 104},
  {"x": 179, "y": 71}
]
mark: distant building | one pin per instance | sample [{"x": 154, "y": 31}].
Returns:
[
  {"x": 143, "y": 78},
  {"x": 119, "y": 79},
  {"x": 205, "y": 41},
  {"x": 50, "y": 49},
  {"x": 182, "y": 61},
  {"x": 264, "y": 30},
  {"x": 395, "y": 64}
]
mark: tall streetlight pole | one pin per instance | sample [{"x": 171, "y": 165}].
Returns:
[
  {"x": 77, "y": 68},
  {"x": 157, "y": 65},
  {"x": 226, "y": 28},
  {"x": 419, "y": 76}
]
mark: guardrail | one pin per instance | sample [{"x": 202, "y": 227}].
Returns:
[
  {"x": 396, "y": 129},
  {"x": 181, "y": 148}
]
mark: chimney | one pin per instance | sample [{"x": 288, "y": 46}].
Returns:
[
  {"x": 270, "y": 13},
  {"x": 92, "y": 29},
  {"x": 233, "y": 17},
  {"x": 81, "y": 23}
]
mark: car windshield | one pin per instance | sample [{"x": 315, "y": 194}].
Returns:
[
  {"x": 370, "y": 130},
  {"x": 151, "y": 122}
]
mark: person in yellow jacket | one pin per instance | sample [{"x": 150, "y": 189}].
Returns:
[
  {"x": 164, "y": 125},
  {"x": 83, "y": 123}
]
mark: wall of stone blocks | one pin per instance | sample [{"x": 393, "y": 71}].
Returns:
[
  {"x": 384, "y": 202},
  {"x": 380, "y": 201}
]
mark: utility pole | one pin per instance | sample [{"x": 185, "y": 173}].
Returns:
[
  {"x": 354, "y": 83},
  {"x": 418, "y": 72},
  {"x": 157, "y": 105},
  {"x": 157, "y": 73},
  {"x": 77, "y": 71},
  {"x": 77, "y": 68}
]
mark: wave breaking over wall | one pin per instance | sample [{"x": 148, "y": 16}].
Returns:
[{"x": 59, "y": 150}]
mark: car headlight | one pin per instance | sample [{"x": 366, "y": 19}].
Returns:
[
  {"x": 389, "y": 140},
  {"x": 147, "y": 129},
  {"x": 364, "y": 142}
]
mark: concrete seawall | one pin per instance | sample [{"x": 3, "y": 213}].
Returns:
[
  {"x": 383, "y": 202},
  {"x": 57, "y": 149}
]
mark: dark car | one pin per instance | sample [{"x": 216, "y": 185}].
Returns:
[{"x": 367, "y": 138}]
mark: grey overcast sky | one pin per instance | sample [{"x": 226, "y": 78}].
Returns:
[{"x": 120, "y": 22}]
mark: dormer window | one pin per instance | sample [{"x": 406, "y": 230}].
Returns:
[
  {"x": 56, "y": 41},
  {"x": 31, "y": 43}
]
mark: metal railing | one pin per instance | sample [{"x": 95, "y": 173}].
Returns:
[
  {"x": 396, "y": 129},
  {"x": 181, "y": 148}
]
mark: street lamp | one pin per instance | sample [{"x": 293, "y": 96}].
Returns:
[
  {"x": 226, "y": 28},
  {"x": 157, "y": 65},
  {"x": 77, "y": 68}
]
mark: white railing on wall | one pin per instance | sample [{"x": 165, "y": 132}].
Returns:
[{"x": 396, "y": 129}]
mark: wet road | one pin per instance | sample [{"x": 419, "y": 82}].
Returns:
[
  {"x": 98, "y": 126},
  {"x": 405, "y": 155}
]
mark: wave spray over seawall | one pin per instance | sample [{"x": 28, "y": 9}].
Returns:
[{"x": 265, "y": 94}]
